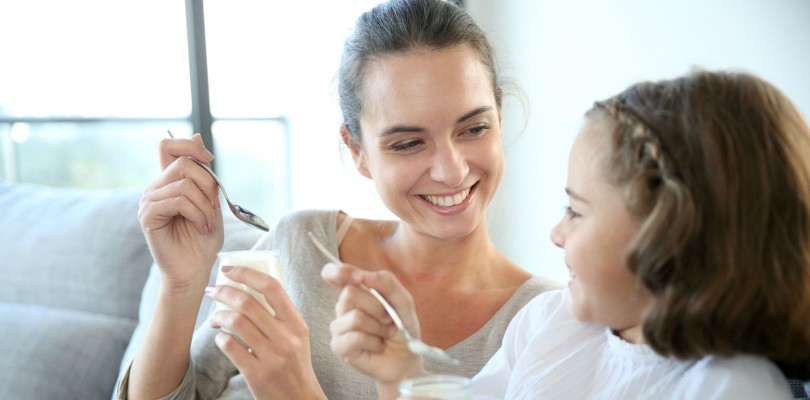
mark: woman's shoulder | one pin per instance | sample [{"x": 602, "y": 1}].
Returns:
[
  {"x": 739, "y": 376},
  {"x": 526, "y": 293},
  {"x": 537, "y": 285},
  {"x": 295, "y": 224},
  {"x": 308, "y": 216}
]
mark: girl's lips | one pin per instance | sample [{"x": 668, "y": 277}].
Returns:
[
  {"x": 571, "y": 275},
  {"x": 450, "y": 205}
]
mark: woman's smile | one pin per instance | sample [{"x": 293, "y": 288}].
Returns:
[{"x": 450, "y": 204}]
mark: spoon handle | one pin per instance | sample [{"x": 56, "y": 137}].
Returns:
[{"x": 415, "y": 345}]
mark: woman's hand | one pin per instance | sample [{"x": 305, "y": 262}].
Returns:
[
  {"x": 363, "y": 335},
  {"x": 181, "y": 217},
  {"x": 274, "y": 356}
]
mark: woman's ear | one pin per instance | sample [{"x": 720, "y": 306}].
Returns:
[{"x": 358, "y": 155}]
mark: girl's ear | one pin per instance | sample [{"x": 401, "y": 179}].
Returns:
[{"x": 358, "y": 155}]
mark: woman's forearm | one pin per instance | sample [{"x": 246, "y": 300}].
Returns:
[{"x": 163, "y": 359}]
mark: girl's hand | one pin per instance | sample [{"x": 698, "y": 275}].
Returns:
[
  {"x": 363, "y": 335},
  {"x": 274, "y": 353},
  {"x": 181, "y": 217}
]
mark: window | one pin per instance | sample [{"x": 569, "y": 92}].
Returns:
[
  {"x": 84, "y": 96},
  {"x": 89, "y": 87}
]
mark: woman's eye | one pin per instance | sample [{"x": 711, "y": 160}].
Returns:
[
  {"x": 570, "y": 213},
  {"x": 478, "y": 130},
  {"x": 404, "y": 146}
]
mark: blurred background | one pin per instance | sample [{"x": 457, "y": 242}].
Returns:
[{"x": 89, "y": 87}]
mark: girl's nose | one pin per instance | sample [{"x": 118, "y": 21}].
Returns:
[{"x": 449, "y": 166}]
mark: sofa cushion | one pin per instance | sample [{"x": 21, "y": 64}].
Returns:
[
  {"x": 72, "y": 248},
  {"x": 51, "y": 353}
]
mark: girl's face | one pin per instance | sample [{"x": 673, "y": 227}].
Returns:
[
  {"x": 595, "y": 233},
  {"x": 431, "y": 139}
]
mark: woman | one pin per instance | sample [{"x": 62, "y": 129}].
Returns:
[
  {"x": 421, "y": 100},
  {"x": 688, "y": 241}
]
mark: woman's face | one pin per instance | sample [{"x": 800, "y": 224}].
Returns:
[
  {"x": 431, "y": 139},
  {"x": 595, "y": 234}
]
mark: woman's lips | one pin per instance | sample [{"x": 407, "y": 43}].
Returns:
[{"x": 452, "y": 203}]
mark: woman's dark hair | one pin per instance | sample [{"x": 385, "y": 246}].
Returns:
[
  {"x": 400, "y": 26},
  {"x": 716, "y": 168}
]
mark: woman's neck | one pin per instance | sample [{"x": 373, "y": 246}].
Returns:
[{"x": 422, "y": 257}]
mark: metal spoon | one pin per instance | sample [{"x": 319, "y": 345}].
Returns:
[
  {"x": 415, "y": 345},
  {"x": 240, "y": 212}
]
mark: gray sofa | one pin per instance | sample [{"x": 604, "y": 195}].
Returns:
[
  {"x": 78, "y": 289},
  {"x": 75, "y": 269}
]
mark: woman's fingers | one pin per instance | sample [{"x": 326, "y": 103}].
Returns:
[
  {"x": 241, "y": 326},
  {"x": 183, "y": 198},
  {"x": 353, "y": 298},
  {"x": 249, "y": 310},
  {"x": 271, "y": 288},
  {"x": 177, "y": 165},
  {"x": 397, "y": 295},
  {"x": 185, "y": 168},
  {"x": 356, "y": 320},
  {"x": 286, "y": 321},
  {"x": 339, "y": 276},
  {"x": 172, "y": 149},
  {"x": 242, "y": 357},
  {"x": 348, "y": 278},
  {"x": 352, "y": 344}
]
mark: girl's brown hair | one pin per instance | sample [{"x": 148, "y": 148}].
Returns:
[{"x": 716, "y": 167}]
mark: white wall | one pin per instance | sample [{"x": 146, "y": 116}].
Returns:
[
  {"x": 566, "y": 54},
  {"x": 323, "y": 176}
]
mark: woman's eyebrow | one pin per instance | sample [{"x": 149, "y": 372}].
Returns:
[
  {"x": 479, "y": 110},
  {"x": 416, "y": 129},
  {"x": 400, "y": 129}
]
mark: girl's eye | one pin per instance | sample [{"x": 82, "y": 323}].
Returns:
[
  {"x": 404, "y": 146},
  {"x": 570, "y": 213},
  {"x": 478, "y": 130}
]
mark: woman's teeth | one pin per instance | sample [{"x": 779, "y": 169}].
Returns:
[{"x": 446, "y": 201}]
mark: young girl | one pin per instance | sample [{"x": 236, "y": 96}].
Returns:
[{"x": 687, "y": 238}]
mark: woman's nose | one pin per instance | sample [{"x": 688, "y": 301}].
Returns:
[
  {"x": 557, "y": 236},
  {"x": 449, "y": 166}
]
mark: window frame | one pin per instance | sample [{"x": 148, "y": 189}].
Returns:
[{"x": 201, "y": 119}]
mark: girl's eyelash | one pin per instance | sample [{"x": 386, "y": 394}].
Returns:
[{"x": 570, "y": 213}]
